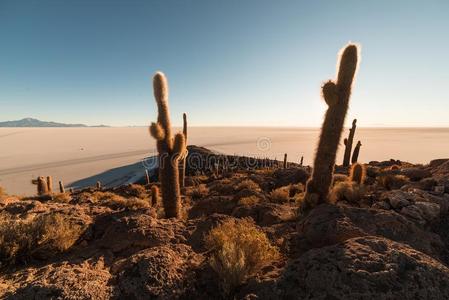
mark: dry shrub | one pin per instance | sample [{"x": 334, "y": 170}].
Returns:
[
  {"x": 40, "y": 237},
  {"x": 392, "y": 182},
  {"x": 222, "y": 187},
  {"x": 248, "y": 184},
  {"x": 199, "y": 192},
  {"x": 62, "y": 198},
  {"x": 280, "y": 195},
  {"x": 249, "y": 201},
  {"x": 347, "y": 191},
  {"x": 239, "y": 249},
  {"x": 115, "y": 201},
  {"x": 131, "y": 203},
  {"x": 132, "y": 190}
]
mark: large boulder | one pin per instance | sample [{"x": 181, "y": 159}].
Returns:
[
  {"x": 330, "y": 224},
  {"x": 163, "y": 272},
  {"x": 86, "y": 280},
  {"x": 362, "y": 268},
  {"x": 127, "y": 232}
]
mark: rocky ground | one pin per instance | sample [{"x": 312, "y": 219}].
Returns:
[{"x": 389, "y": 242}]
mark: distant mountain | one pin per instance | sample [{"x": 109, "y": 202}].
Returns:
[{"x": 30, "y": 122}]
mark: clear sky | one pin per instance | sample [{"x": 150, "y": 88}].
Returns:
[{"x": 233, "y": 62}]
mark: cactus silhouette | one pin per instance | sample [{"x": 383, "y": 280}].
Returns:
[
  {"x": 348, "y": 144},
  {"x": 170, "y": 149},
  {"x": 61, "y": 187},
  {"x": 336, "y": 94},
  {"x": 182, "y": 173},
  {"x": 357, "y": 173},
  {"x": 355, "y": 155},
  {"x": 285, "y": 160}
]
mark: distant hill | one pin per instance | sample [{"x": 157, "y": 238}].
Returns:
[{"x": 30, "y": 122}]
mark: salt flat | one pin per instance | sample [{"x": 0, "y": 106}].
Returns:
[{"x": 71, "y": 154}]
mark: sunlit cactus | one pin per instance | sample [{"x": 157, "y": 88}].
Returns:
[
  {"x": 355, "y": 155},
  {"x": 336, "y": 94},
  {"x": 348, "y": 144},
  {"x": 182, "y": 173},
  {"x": 42, "y": 187},
  {"x": 357, "y": 173},
  {"x": 170, "y": 149}
]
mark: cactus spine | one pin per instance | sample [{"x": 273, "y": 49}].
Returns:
[
  {"x": 182, "y": 173},
  {"x": 170, "y": 149},
  {"x": 61, "y": 187},
  {"x": 357, "y": 173},
  {"x": 348, "y": 144},
  {"x": 336, "y": 95},
  {"x": 355, "y": 155},
  {"x": 302, "y": 161}
]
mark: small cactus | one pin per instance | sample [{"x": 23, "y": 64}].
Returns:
[
  {"x": 285, "y": 161},
  {"x": 348, "y": 144},
  {"x": 50, "y": 184},
  {"x": 336, "y": 94},
  {"x": 170, "y": 149},
  {"x": 154, "y": 195},
  {"x": 61, "y": 187},
  {"x": 42, "y": 187},
  {"x": 98, "y": 185},
  {"x": 357, "y": 173},
  {"x": 355, "y": 155}
]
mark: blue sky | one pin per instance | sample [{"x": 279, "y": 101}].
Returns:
[{"x": 240, "y": 63}]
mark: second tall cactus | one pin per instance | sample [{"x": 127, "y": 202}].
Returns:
[{"x": 336, "y": 94}]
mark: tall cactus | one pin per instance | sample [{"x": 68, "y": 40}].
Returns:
[
  {"x": 355, "y": 155},
  {"x": 170, "y": 149},
  {"x": 336, "y": 95},
  {"x": 182, "y": 173},
  {"x": 348, "y": 144}
]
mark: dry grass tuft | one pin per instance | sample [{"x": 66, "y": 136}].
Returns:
[
  {"x": 239, "y": 249},
  {"x": 248, "y": 184},
  {"x": 40, "y": 237},
  {"x": 62, "y": 198},
  {"x": 249, "y": 201},
  {"x": 280, "y": 195},
  {"x": 199, "y": 192},
  {"x": 114, "y": 201}
]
